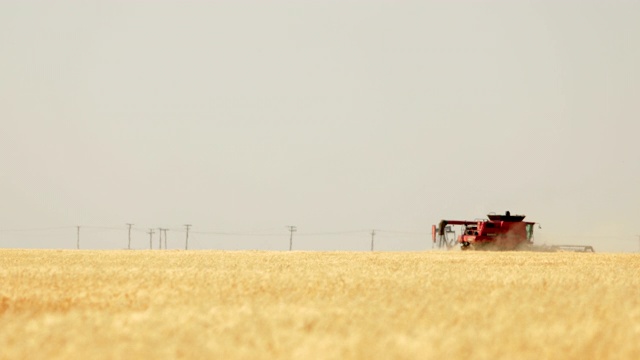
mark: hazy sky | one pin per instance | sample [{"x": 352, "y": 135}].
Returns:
[{"x": 334, "y": 116}]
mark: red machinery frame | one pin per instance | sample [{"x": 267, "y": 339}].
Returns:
[{"x": 498, "y": 232}]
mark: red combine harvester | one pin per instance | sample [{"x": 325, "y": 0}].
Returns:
[{"x": 499, "y": 232}]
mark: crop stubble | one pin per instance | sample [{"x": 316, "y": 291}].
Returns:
[{"x": 251, "y": 304}]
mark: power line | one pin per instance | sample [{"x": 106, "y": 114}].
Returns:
[
  {"x": 334, "y": 233},
  {"x": 233, "y": 233},
  {"x": 38, "y": 229},
  {"x": 102, "y": 227},
  {"x": 404, "y": 232}
]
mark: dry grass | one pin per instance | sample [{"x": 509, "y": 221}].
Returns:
[{"x": 298, "y": 305}]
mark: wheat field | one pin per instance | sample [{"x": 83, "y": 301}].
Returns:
[{"x": 321, "y": 305}]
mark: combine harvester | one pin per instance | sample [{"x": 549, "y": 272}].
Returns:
[{"x": 499, "y": 232}]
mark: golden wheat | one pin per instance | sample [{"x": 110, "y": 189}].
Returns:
[{"x": 299, "y": 305}]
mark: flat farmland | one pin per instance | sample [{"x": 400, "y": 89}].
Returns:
[{"x": 324, "y": 305}]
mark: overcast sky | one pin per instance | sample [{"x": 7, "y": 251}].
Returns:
[{"x": 334, "y": 116}]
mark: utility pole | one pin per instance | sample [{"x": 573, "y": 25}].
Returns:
[
  {"x": 150, "y": 232},
  {"x": 78, "y": 238},
  {"x": 373, "y": 234},
  {"x": 165, "y": 238},
  {"x": 292, "y": 229},
  {"x": 130, "y": 225},
  {"x": 160, "y": 239},
  {"x": 186, "y": 241},
  {"x": 162, "y": 230}
]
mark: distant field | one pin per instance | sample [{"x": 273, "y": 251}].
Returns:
[{"x": 300, "y": 305}]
